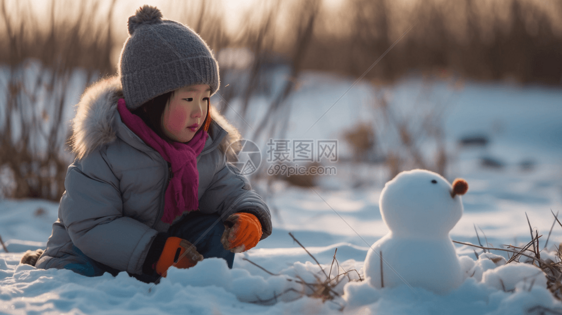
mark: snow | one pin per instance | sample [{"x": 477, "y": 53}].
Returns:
[
  {"x": 507, "y": 277},
  {"x": 471, "y": 297},
  {"x": 485, "y": 262},
  {"x": 523, "y": 124}
]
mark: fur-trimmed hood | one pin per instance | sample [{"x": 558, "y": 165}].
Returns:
[{"x": 96, "y": 119}]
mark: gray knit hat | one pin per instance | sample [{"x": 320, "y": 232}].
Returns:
[{"x": 163, "y": 55}]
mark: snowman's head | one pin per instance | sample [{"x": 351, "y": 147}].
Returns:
[{"x": 421, "y": 204}]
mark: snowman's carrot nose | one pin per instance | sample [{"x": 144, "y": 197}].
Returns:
[{"x": 460, "y": 187}]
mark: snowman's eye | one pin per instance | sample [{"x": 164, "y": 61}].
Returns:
[{"x": 433, "y": 181}]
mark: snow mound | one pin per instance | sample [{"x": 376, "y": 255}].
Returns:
[
  {"x": 507, "y": 277},
  {"x": 213, "y": 272},
  {"x": 209, "y": 287},
  {"x": 485, "y": 262}
]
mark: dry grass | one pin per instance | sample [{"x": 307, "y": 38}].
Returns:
[
  {"x": 3, "y": 245},
  {"x": 405, "y": 138},
  {"x": 362, "y": 139},
  {"x": 301, "y": 180},
  {"x": 42, "y": 59},
  {"x": 531, "y": 253},
  {"x": 324, "y": 286},
  {"x": 518, "y": 40}
]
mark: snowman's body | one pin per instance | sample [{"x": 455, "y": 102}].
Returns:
[
  {"x": 418, "y": 208},
  {"x": 431, "y": 264}
]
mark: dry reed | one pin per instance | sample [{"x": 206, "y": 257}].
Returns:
[
  {"x": 323, "y": 289},
  {"x": 531, "y": 251}
]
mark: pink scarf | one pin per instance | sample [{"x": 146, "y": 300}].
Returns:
[{"x": 182, "y": 191}]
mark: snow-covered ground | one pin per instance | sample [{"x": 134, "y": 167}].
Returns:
[{"x": 523, "y": 124}]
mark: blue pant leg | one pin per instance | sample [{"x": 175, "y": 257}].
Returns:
[
  {"x": 204, "y": 231},
  {"x": 84, "y": 265}
]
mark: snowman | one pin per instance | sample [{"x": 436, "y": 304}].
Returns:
[{"x": 420, "y": 208}]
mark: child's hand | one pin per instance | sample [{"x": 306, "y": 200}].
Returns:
[
  {"x": 242, "y": 232},
  {"x": 178, "y": 253}
]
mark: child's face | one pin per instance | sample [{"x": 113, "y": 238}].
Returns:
[{"x": 187, "y": 107}]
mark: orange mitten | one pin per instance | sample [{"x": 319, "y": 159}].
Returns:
[
  {"x": 178, "y": 253},
  {"x": 242, "y": 232}
]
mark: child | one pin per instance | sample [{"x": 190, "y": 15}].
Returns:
[{"x": 149, "y": 186}]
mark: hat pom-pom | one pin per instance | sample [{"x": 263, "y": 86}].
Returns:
[{"x": 144, "y": 15}]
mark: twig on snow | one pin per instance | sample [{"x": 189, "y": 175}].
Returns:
[{"x": 3, "y": 245}]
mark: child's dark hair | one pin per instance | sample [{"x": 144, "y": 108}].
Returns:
[{"x": 152, "y": 110}]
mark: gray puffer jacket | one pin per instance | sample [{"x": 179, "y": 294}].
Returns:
[{"x": 114, "y": 199}]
